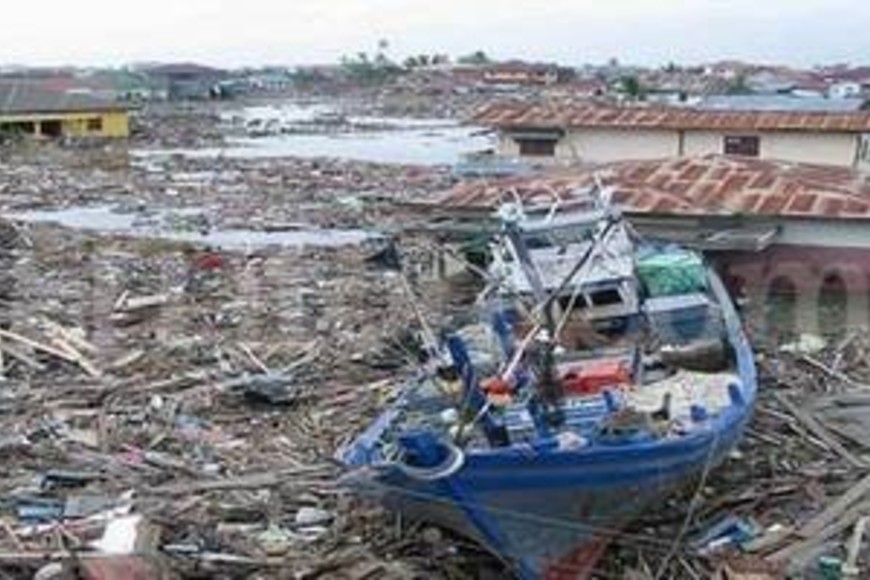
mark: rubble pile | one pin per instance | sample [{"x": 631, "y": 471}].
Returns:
[
  {"x": 174, "y": 410},
  {"x": 178, "y": 125},
  {"x": 795, "y": 500},
  {"x": 260, "y": 194}
]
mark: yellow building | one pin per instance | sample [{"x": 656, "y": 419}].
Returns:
[{"x": 26, "y": 108}]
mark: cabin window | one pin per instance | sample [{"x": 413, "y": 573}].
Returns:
[
  {"x": 577, "y": 302},
  {"x": 538, "y": 242},
  {"x": 606, "y": 297},
  {"x": 95, "y": 124},
  {"x": 537, "y": 147},
  {"x": 745, "y": 145}
]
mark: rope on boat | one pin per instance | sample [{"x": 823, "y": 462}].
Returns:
[
  {"x": 690, "y": 513},
  {"x": 619, "y": 535},
  {"x": 454, "y": 461}
]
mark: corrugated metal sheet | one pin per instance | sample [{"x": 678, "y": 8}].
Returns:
[
  {"x": 587, "y": 114},
  {"x": 707, "y": 185}
]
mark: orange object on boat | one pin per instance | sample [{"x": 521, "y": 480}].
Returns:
[
  {"x": 497, "y": 386},
  {"x": 592, "y": 377},
  {"x": 499, "y": 392}
]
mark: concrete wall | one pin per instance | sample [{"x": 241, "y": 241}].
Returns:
[
  {"x": 828, "y": 148},
  {"x": 114, "y": 124},
  {"x": 596, "y": 145},
  {"x": 697, "y": 143},
  {"x": 805, "y": 270},
  {"x": 825, "y": 233},
  {"x": 508, "y": 147},
  {"x": 603, "y": 145}
]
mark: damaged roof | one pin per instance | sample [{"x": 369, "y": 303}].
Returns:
[
  {"x": 713, "y": 184},
  {"x": 508, "y": 115},
  {"x": 18, "y": 97}
]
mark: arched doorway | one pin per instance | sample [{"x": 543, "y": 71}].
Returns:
[
  {"x": 833, "y": 306},
  {"x": 782, "y": 309}
]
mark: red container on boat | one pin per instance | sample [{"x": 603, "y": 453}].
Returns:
[{"x": 592, "y": 377}]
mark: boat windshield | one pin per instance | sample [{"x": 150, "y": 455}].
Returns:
[{"x": 558, "y": 238}]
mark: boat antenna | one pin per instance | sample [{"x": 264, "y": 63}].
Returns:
[
  {"x": 557, "y": 203},
  {"x": 549, "y": 387}
]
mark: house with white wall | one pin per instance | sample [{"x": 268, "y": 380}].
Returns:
[
  {"x": 845, "y": 90},
  {"x": 792, "y": 239},
  {"x": 583, "y": 132}
]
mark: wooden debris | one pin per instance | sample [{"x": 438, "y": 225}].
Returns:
[
  {"x": 820, "y": 431},
  {"x": 853, "y": 548},
  {"x": 797, "y": 554},
  {"x": 836, "y": 509},
  {"x": 253, "y": 481},
  {"x": 67, "y": 355},
  {"x": 840, "y": 376},
  {"x": 134, "y": 304},
  {"x": 74, "y": 337}
]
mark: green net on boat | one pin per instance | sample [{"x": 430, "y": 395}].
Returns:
[{"x": 671, "y": 271}]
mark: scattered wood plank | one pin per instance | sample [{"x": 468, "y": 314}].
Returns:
[
  {"x": 80, "y": 359},
  {"x": 836, "y": 509},
  {"x": 796, "y": 552},
  {"x": 174, "y": 384},
  {"x": 58, "y": 353},
  {"x": 252, "y": 481},
  {"x": 132, "y": 304},
  {"x": 234, "y": 559},
  {"x": 254, "y": 358},
  {"x": 840, "y": 376},
  {"x": 28, "y": 360},
  {"x": 76, "y": 339},
  {"x": 853, "y": 548},
  {"x": 769, "y": 540},
  {"x": 126, "y": 360},
  {"x": 820, "y": 431}
]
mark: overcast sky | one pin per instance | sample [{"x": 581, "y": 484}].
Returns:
[{"x": 240, "y": 32}]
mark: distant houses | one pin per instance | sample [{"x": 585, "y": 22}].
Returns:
[
  {"x": 31, "y": 109},
  {"x": 587, "y": 132},
  {"x": 784, "y": 103},
  {"x": 186, "y": 81},
  {"x": 680, "y": 86},
  {"x": 511, "y": 74},
  {"x": 521, "y": 73}
]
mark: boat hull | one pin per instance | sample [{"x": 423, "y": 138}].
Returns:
[
  {"x": 552, "y": 515},
  {"x": 549, "y": 513}
]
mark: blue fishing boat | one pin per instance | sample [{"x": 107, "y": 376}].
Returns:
[{"x": 605, "y": 372}]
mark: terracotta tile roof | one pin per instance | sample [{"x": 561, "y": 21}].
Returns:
[
  {"x": 508, "y": 115},
  {"x": 713, "y": 184}
]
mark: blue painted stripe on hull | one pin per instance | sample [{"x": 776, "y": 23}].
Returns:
[
  {"x": 540, "y": 530},
  {"x": 508, "y": 495}
]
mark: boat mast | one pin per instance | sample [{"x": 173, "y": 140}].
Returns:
[{"x": 549, "y": 387}]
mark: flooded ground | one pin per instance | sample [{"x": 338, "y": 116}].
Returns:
[
  {"x": 188, "y": 225},
  {"x": 321, "y": 130}
]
